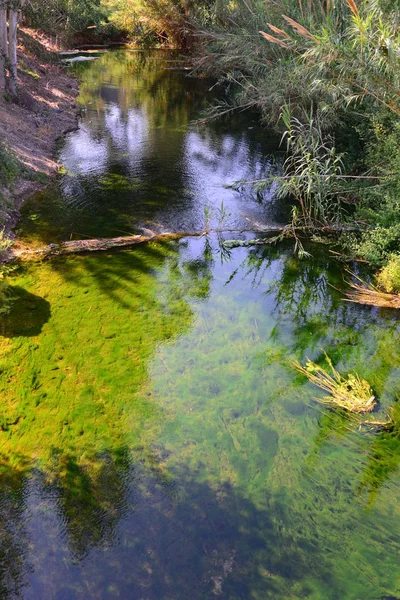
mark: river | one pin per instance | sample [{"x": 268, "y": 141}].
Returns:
[{"x": 156, "y": 441}]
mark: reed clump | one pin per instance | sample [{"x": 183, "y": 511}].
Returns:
[
  {"x": 381, "y": 295},
  {"x": 364, "y": 294},
  {"x": 350, "y": 393}
]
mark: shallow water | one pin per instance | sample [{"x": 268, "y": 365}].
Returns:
[
  {"x": 142, "y": 159},
  {"x": 158, "y": 444}
]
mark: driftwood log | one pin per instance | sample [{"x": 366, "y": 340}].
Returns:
[
  {"x": 361, "y": 294},
  {"x": 103, "y": 244},
  {"x": 96, "y": 245}
]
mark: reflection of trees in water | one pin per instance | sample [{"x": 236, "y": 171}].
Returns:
[
  {"x": 102, "y": 515},
  {"x": 309, "y": 311},
  {"x": 383, "y": 459},
  {"x": 310, "y": 319},
  {"x": 139, "y": 160},
  {"x": 131, "y": 531},
  {"x": 138, "y": 128},
  {"x": 14, "y": 563}
]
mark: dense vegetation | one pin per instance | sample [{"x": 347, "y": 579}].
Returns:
[{"x": 327, "y": 74}]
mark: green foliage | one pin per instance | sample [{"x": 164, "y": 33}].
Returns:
[
  {"x": 312, "y": 170},
  {"x": 379, "y": 204},
  {"x": 378, "y": 243},
  {"x": 9, "y": 166},
  {"x": 331, "y": 63},
  {"x": 64, "y": 15},
  {"x": 388, "y": 277},
  {"x": 153, "y": 22}
]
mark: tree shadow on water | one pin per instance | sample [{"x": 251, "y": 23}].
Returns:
[
  {"x": 27, "y": 315},
  {"x": 128, "y": 529}
]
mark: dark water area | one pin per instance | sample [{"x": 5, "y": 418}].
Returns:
[
  {"x": 142, "y": 159},
  {"x": 156, "y": 441}
]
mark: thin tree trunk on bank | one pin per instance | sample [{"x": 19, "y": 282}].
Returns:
[
  {"x": 12, "y": 50},
  {"x": 3, "y": 46}
]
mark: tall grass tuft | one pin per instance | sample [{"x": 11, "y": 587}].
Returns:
[{"x": 350, "y": 393}]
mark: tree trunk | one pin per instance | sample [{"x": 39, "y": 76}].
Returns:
[
  {"x": 12, "y": 49},
  {"x": 3, "y": 46}
]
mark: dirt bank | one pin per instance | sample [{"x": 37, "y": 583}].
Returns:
[{"x": 44, "y": 112}]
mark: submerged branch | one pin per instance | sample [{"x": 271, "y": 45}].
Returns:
[
  {"x": 289, "y": 231},
  {"x": 350, "y": 393},
  {"x": 104, "y": 244}
]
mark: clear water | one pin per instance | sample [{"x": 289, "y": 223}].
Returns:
[
  {"x": 156, "y": 442},
  {"x": 141, "y": 158}
]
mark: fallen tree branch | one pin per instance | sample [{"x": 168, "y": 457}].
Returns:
[
  {"x": 97, "y": 244},
  {"x": 290, "y": 232},
  {"x": 103, "y": 244}
]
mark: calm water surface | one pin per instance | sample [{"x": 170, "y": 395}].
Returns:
[
  {"x": 142, "y": 159},
  {"x": 156, "y": 442}
]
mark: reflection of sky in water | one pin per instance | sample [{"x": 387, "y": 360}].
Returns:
[
  {"x": 138, "y": 161},
  {"x": 128, "y": 132},
  {"x": 207, "y": 164},
  {"x": 84, "y": 154},
  {"x": 213, "y": 164}
]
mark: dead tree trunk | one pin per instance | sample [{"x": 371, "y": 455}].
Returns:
[{"x": 3, "y": 45}]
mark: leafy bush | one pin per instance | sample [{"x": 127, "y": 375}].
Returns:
[
  {"x": 54, "y": 16},
  {"x": 379, "y": 204},
  {"x": 312, "y": 170},
  {"x": 388, "y": 277},
  {"x": 157, "y": 21},
  {"x": 378, "y": 244}
]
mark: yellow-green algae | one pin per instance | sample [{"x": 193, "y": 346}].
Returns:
[{"x": 176, "y": 453}]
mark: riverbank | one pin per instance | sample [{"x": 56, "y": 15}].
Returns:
[{"x": 44, "y": 112}]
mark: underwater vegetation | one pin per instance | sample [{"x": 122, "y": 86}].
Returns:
[{"x": 158, "y": 436}]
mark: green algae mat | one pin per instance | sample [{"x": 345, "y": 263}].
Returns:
[{"x": 157, "y": 443}]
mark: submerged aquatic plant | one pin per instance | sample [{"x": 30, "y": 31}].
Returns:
[{"x": 351, "y": 393}]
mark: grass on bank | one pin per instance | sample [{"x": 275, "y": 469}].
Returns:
[{"x": 9, "y": 166}]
